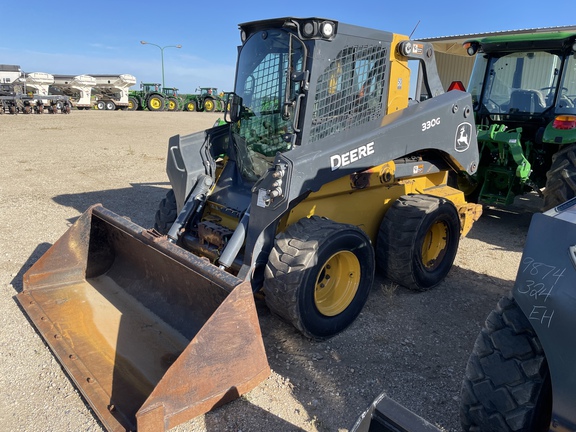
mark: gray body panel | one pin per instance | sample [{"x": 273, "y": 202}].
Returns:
[{"x": 545, "y": 290}]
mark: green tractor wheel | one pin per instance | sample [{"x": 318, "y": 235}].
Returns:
[
  {"x": 155, "y": 103},
  {"x": 132, "y": 104},
  {"x": 209, "y": 105},
  {"x": 190, "y": 106},
  {"x": 172, "y": 104}
]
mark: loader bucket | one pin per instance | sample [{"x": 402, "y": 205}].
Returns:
[{"x": 151, "y": 334}]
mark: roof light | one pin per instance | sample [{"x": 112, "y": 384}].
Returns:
[
  {"x": 471, "y": 47},
  {"x": 309, "y": 29},
  {"x": 564, "y": 122},
  {"x": 456, "y": 85},
  {"x": 327, "y": 29}
]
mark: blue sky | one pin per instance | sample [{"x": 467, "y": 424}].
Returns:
[{"x": 99, "y": 37}]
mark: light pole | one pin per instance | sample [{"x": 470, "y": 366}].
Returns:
[{"x": 161, "y": 54}]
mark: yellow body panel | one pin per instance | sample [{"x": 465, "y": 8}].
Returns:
[
  {"x": 363, "y": 201},
  {"x": 399, "y": 82}
]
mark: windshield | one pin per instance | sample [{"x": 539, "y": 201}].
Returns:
[
  {"x": 269, "y": 101},
  {"x": 523, "y": 83}
]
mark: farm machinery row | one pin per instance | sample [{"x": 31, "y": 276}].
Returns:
[
  {"x": 39, "y": 91},
  {"x": 154, "y": 97},
  {"x": 25, "y": 95}
]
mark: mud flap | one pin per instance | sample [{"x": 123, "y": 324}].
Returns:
[{"x": 151, "y": 334}]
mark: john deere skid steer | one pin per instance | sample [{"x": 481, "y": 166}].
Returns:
[{"x": 322, "y": 172}]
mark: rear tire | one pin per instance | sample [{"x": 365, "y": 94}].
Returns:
[
  {"x": 319, "y": 275},
  {"x": 561, "y": 178},
  {"x": 190, "y": 106},
  {"x": 110, "y": 106},
  {"x": 418, "y": 240},
  {"x": 507, "y": 384},
  {"x": 101, "y": 105},
  {"x": 155, "y": 103},
  {"x": 166, "y": 213}
]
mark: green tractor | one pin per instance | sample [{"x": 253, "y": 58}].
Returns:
[
  {"x": 524, "y": 94},
  {"x": 174, "y": 102},
  {"x": 149, "y": 97},
  {"x": 207, "y": 100}
]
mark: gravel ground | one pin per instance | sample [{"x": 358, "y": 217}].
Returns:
[{"x": 414, "y": 346}]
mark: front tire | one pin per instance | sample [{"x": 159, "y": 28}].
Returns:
[
  {"x": 166, "y": 213},
  {"x": 132, "y": 104},
  {"x": 507, "y": 384},
  {"x": 418, "y": 240},
  {"x": 561, "y": 178},
  {"x": 319, "y": 275}
]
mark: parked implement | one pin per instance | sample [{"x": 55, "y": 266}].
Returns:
[
  {"x": 321, "y": 158},
  {"x": 150, "y": 97},
  {"x": 520, "y": 375},
  {"x": 524, "y": 93}
]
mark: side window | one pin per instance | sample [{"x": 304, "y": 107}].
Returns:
[{"x": 351, "y": 86}]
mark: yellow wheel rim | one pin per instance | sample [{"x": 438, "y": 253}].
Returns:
[
  {"x": 208, "y": 105},
  {"x": 171, "y": 105},
  {"x": 190, "y": 106},
  {"x": 155, "y": 103},
  {"x": 337, "y": 283},
  {"x": 130, "y": 105},
  {"x": 435, "y": 245}
]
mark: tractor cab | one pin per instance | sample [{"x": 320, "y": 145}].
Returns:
[
  {"x": 523, "y": 89},
  {"x": 170, "y": 91}
]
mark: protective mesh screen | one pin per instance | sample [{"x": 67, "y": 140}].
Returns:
[{"x": 350, "y": 91}]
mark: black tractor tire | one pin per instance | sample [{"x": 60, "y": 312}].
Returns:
[
  {"x": 209, "y": 105},
  {"x": 155, "y": 103},
  {"x": 166, "y": 213},
  {"x": 172, "y": 104},
  {"x": 190, "y": 106},
  {"x": 507, "y": 383},
  {"x": 561, "y": 178},
  {"x": 319, "y": 275},
  {"x": 418, "y": 240},
  {"x": 133, "y": 104}
]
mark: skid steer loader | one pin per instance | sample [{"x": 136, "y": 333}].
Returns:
[{"x": 321, "y": 157}]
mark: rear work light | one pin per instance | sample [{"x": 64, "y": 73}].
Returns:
[{"x": 565, "y": 122}]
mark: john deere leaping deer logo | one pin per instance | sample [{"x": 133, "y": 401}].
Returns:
[{"x": 463, "y": 134}]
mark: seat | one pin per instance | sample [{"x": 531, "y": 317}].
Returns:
[{"x": 527, "y": 101}]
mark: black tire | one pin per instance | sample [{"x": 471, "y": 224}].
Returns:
[
  {"x": 132, "y": 104},
  {"x": 190, "y": 106},
  {"x": 561, "y": 178},
  {"x": 418, "y": 240},
  {"x": 507, "y": 384},
  {"x": 110, "y": 106},
  {"x": 209, "y": 105},
  {"x": 319, "y": 275},
  {"x": 101, "y": 105},
  {"x": 155, "y": 103},
  {"x": 172, "y": 104},
  {"x": 166, "y": 213}
]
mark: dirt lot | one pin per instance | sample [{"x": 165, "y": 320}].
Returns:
[{"x": 414, "y": 346}]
